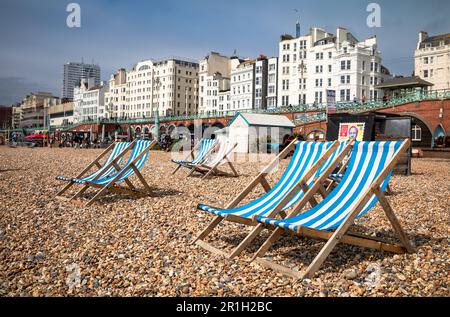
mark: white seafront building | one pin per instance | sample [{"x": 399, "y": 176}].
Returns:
[
  {"x": 116, "y": 106},
  {"x": 311, "y": 64},
  {"x": 169, "y": 86},
  {"x": 254, "y": 84},
  {"x": 242, "y": 86},
  {"x": 432, "y": 60},
  {"x": 89, "y": 101},
  {"x": 214, "y": 83}
]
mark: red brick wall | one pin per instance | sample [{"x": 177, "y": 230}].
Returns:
[{"x": 427, "y": 111}]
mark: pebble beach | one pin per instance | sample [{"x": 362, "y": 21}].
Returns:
[{"x": 124, "y": 246}]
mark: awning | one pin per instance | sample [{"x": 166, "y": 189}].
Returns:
[{"x": 37, "y": 136}]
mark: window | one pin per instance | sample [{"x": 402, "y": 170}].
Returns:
[
  {"x": 425, "y": 73},
  {"x": 330, "y": 55},
  {"x": 425, "y": 60},
  {"x": 271, "y": 78},
  {"x": 416, "y": 133}
]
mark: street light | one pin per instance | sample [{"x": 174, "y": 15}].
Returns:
[{"x": 158, "y": 85}]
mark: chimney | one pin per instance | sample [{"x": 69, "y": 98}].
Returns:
[{"x": 422, "y": 37}]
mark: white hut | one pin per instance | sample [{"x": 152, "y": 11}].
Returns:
[{"x": 254, "y": 131}]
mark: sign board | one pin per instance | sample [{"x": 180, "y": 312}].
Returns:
[
  {"x": 331, "y": 101},
  {"x": 354, "y": 130}
]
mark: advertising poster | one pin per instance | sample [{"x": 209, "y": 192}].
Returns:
[{"x": 348, "y": 131}]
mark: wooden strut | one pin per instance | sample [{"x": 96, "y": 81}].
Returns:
[
  {"x": 191, "y": 154},
  {"x": 257, "y": 180},
  {"x": 341, "y": 235},
  {"x": 94, "y": 162},
  {"x": 278, "y": 209},
  {"x": 214, "y": 169},
  {"x": 207, "y": 154},
  {"x": 114, "y": 180},
  {"x": 111, "y": 164}
]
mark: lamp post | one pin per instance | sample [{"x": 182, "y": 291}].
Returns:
[{"x": 158, "y": 85}]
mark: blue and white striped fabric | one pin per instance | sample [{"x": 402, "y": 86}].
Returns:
[
  {"x": 138, "y": 148},
  {"x": 205, "y": 147},
  {"x": 305, "y": 155},
  {"x": 367, "y": 162},
  {"x": 319, "y": 172},
  {"x": 118, "y": 148}
]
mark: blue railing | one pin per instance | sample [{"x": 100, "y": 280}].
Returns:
[{"x": 307, "y": 109}]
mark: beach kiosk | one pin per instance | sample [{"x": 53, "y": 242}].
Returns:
[{"x": 258, "y": 133}]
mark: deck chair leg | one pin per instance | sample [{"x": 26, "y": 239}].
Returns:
[
  {"x": 268, "y": 243},
  {"x": 100, "y": 193},
  {"x": 394, "y": 221},
  {"x": 233, "y": 169},
  {"x": 79, "y": 193},
  {"x": 141, "y": 178},
  {"x": 207, "y": 174},
  {"x": 62, "y": 191},
  {"x": 208, "y": 229},
  {"x": 330, "y": 244},
  {"x": 176, "y": 169},
  {"x": 250, "y": 237},
  {"x": 191, "y": 172}
]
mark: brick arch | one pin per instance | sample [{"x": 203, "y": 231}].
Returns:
[
  {"x": 442, "y": 128},
  {"x": 419, "y": 117},
  {"x": 320, "y": 130}
]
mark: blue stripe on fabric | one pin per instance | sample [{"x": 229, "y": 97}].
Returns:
[
  {"x": 138, "y": 147},
  {"x": 305, "y": 155},
  {"x": 359, "y": 176},
  {"x": 118, "y": 148}
]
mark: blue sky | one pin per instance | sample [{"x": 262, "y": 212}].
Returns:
[{"x": 35, "y": 41}]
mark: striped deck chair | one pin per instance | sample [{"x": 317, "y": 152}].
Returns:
[
  {"x": 310, "y": 160},
  {"x": 204, "y": 147},
  {"x": 363, "y": 184},
  {"x": 136, "y": 161},
  {"x": 221, "y": 157},
  {"x": 116, "y": 149}
]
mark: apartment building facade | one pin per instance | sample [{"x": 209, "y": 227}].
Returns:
[
  {"x": 272, "y": 83},
  {"x": 89, "y": 101},
  {"x": 61, "y": 114},
  {"x": 74, "y": 73},
  {"x": 432, "y": 60},
  {"x": 312, "y": 64},
  {"x": 169, "y": 86},
  {"x": 214, "y": 82},
  {"x": 116, "y": 106},
  {"x": 242, "y": 86},
  {"x": 34, "y": 110}
]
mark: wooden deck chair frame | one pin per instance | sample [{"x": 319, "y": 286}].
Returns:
[
  {"x": 191, "y": 154},
  {"x": 341, "y": 234},
  {"x": 111, "y": 186},
  {"x": 208, "y": 170},
  {"x": 277, "y": 211},
  {"x": 94, "y": 162}
]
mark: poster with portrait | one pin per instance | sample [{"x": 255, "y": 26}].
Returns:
[{"x": 354, "y": 130}]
